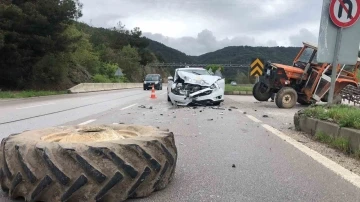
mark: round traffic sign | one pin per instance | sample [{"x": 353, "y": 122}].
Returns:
[{"x": 344, "y": 13}]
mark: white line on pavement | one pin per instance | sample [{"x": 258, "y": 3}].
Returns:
[
  {"x": 87, "y": 122},
  {"x": 253, "y": 118},
  {"x": 128, "y": 107},
  {"x": 333, "y": 166},
  {"x": 51, "y": 103}
]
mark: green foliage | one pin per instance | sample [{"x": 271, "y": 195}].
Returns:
[
  {"x": 52, "y": 68},
  {"x": 214, "y": 67},
  {"x": 99, "y": 78},
  {"x": 82, "y": 51},
  {"x": 41, "y": 45},
  {"x": 30, "y": 30},
  {"x": 167, "y": 54},
  {"x": 344, "y": 115},
  {"x": 229, "y": 87},
  {"x": 25, "y": 94},
  {"x": 338, "y": 143}
]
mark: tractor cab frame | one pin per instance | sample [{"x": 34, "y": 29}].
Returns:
[{"x": 306, "y": 81}]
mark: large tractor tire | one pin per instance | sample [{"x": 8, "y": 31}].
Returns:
[
  {"x": 87, "y": 163},
  {"x": 286, "y": 98},
  {"x": 259, "y": 94}
]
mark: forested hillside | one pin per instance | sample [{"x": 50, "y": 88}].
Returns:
[
  {"x": 244, "y": 54},
  {"x": 169, "y": 55},
  {"x": 43, "y": 47}
]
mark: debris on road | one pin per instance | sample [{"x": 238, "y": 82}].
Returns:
[
  {"x": 142, "y": 106},
  {"x": 265, "y": 116},
  {"x": 210, "y": 119},
  {"x": 67, "y": 175},
  {"x": 233, "y": 165},
  {"x": 218, "y": 108},
  {"x": 222, "y": 113},
  {"x": 232, "y": 107},
  {"x": 161, "y": 114},
  {"x": 244, "y": 112},
  {"x": 150, "y": 107},
  {"x": 302, "y": 141}
]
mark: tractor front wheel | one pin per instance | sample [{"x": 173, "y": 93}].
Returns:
[
  {"x": 260, "y": 93},
  {"x": 286, "y": 98}
]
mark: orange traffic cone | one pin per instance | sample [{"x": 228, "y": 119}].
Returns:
[{"x": 153, "y": 96}]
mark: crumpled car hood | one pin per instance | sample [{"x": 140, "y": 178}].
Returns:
[{"x": 191, "y": 78}]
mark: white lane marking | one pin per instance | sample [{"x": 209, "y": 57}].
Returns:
[
  {"x": 87, "y": 122},
  {"x": 253, "y": 118},
  {"x": 51, "y": 103},
  {"x": 128, "y": 107},
  {"x": 333, "y": 166}
]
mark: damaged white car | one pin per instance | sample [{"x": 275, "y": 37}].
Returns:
[{"x": 195, "y": 86}]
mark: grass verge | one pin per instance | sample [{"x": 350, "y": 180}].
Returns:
[
  {"x": 338, "y": 143},
  {"x": 229, "y": 87},
  {"x": 344, "y": 115},
  {"x": 26, "y": 94}
]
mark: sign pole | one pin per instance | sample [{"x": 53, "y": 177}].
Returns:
[{"x": 335, "y": 63}]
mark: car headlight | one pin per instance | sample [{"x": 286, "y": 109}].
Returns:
[
  {"x": 144, "y": 82},
  {"x": 213, "y": 86},
  {"x": 156, "y": 82},
  {"x": 202, "y": 82}
]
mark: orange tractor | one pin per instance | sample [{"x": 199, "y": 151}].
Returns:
[{"x": 305, "y": 82}]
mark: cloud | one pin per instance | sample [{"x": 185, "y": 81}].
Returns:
[
  {"x": 200, "y": 26},
  {"x": 303, "y": 35},
  {"x": 205, "y": 42}
]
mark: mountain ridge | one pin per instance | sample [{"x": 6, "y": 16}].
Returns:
[{"x": 230, "y": 54}]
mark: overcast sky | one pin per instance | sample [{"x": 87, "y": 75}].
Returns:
[{"x": 200, "y": 26}]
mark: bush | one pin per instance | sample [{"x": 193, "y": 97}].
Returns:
[
  {"x": 98, "y": 78},
  {"x": 51, "y": 69}
]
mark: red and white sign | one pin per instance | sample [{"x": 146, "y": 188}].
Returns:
[{"x": 344, "y": 13}]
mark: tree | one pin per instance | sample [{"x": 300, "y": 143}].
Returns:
[{"x": 31, "y": 30}]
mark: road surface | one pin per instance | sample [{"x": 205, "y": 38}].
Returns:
[{"x": 223, "y": 155}]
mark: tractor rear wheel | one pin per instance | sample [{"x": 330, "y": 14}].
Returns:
[
  {"x": 259, "y": 93},
  {"x": 286, "y": 98},
  {"x": 87, "y": 163}
]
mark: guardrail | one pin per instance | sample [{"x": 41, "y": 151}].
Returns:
[{"x": 93, "y": 87}]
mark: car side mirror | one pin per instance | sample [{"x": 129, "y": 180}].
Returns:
[{"x": 170, "y": 78}]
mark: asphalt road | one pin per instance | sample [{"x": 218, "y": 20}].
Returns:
[{"x": 209, "y": 141}]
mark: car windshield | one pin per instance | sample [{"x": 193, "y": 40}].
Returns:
[
  {"x": 306, "y": 55},
  {"x": 151, "y": 78},
  {"x": 196, "y": 71}
]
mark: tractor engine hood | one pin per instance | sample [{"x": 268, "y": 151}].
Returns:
[{"x": 202, "y": 80}]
